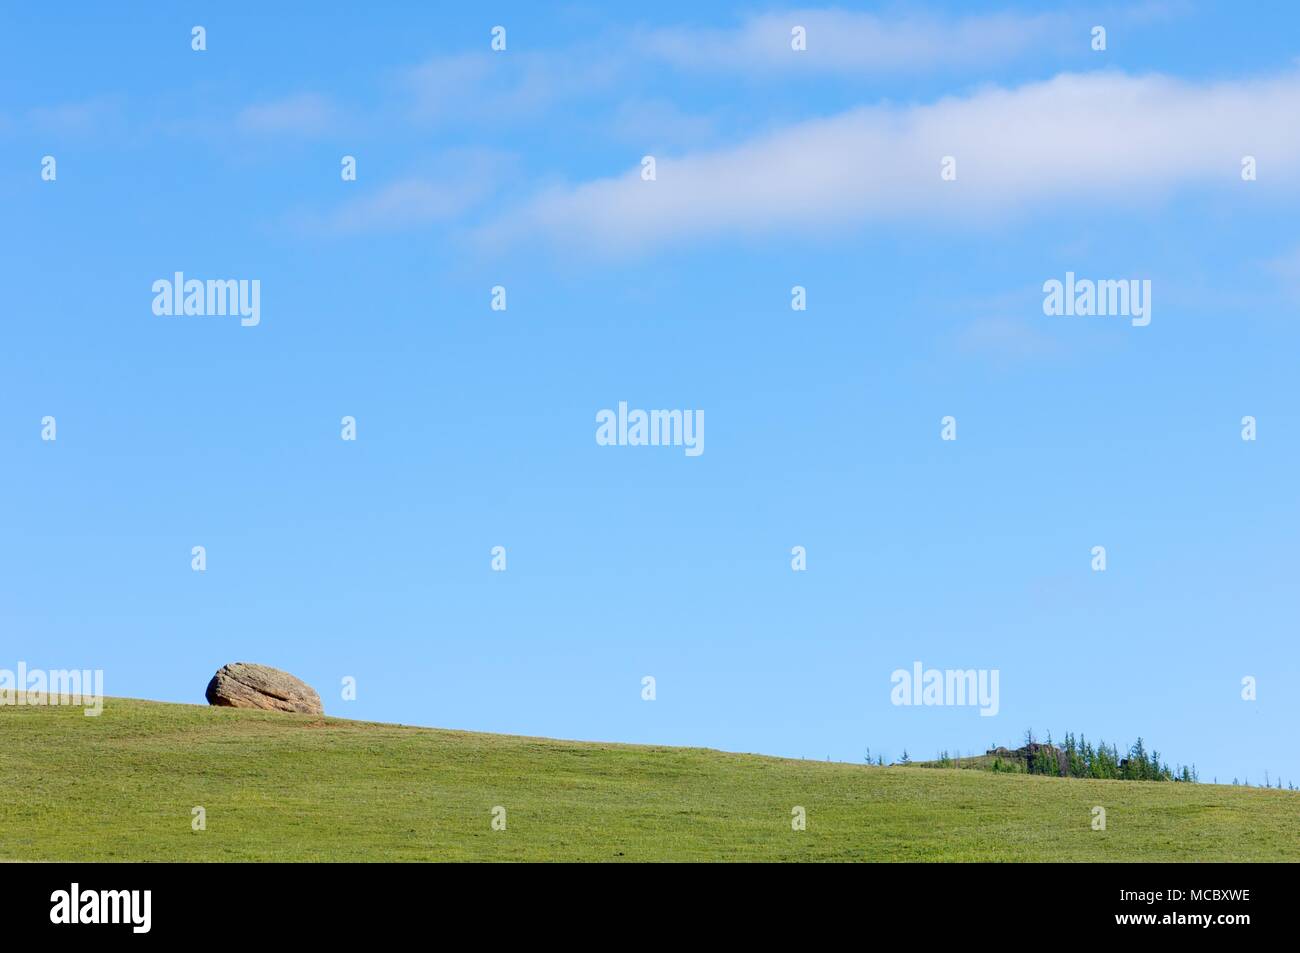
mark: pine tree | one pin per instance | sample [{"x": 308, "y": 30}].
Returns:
[
  {"x": 1045, "y": 761},
  {"x": 1073, "y": 758}
]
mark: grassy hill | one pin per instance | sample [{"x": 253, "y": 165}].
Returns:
[{"x": 297, "y": 787}]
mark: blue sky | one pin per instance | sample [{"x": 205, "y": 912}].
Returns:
[{"x": 476, "y": 427}]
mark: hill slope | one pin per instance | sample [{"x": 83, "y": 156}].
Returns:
[{"x": 297, "y": 787}]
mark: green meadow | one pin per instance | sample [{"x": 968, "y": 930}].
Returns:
[{"x": 124, "y": 786}]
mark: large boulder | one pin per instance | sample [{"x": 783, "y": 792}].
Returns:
[{"x": 244, "y": 685}]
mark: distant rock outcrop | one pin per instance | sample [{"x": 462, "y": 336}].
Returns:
[
  {"x": 244, "y": 685},
  {"x": 1028, "y": 755}
]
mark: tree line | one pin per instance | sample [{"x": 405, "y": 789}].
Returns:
[
  {"x": 1080, "y": 758},
  {"x": 1077, "y": 757}
]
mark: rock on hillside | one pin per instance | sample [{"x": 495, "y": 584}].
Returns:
[
  {"x": 1029, "y": 753},
  {"x": 244, "y": 685}
]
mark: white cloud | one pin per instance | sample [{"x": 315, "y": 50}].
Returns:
[
  {"x": 1006, "y": 339},
  {"x": 90, "y": 116},
  {"x": 1099, "y": 137},
  {"x": 1286, "y": 269},
  {"x": 493, "y": 86},
  {"x": 656, "y": 123},
  {"x": 842, "y": 41},
  {"x": 401, "y": 204},
  {"x": 444, "y": 189},
  {"x": 526, "y": 83},
  {"x": 303, "y": 114}
]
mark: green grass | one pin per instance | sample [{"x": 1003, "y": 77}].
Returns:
[{"x": 296, "y": 787}]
